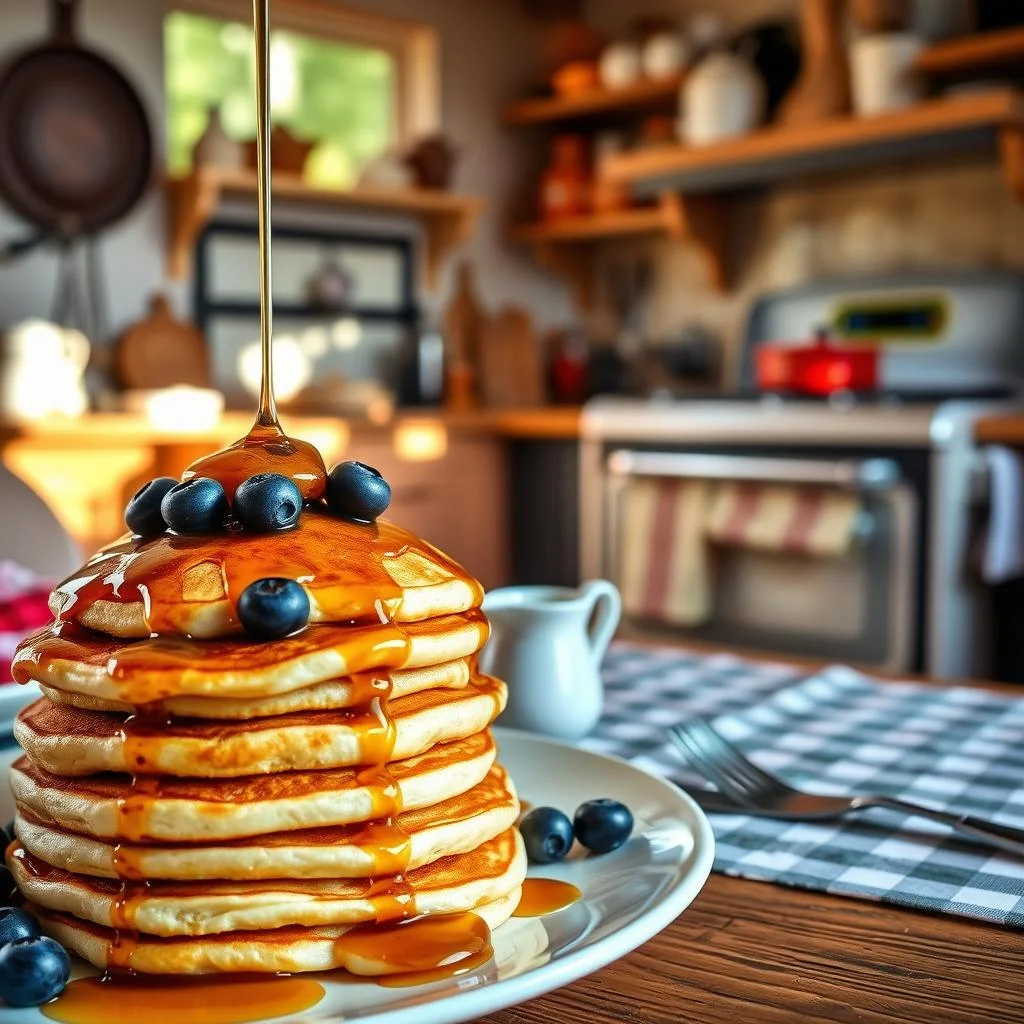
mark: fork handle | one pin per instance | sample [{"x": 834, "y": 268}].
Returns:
[{"x": 1004, "y": 837}]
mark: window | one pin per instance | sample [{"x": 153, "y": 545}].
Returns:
[{"x": 351, "y": 83}]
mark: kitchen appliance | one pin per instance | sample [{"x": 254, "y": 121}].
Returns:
[{"x": 904, "y": 594}]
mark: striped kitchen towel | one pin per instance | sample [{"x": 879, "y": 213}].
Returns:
[{"x": 664, "y": 572}]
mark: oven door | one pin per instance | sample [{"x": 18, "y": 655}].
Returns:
[{"x": 858, "y": 606}]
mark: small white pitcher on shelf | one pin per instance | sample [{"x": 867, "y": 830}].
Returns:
[{"x": 547, "y": 644}]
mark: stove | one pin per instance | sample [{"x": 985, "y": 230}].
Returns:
[{"x": 951, "y": 350}]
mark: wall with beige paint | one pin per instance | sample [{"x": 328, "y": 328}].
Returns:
[{"x": 486, "y": 56}]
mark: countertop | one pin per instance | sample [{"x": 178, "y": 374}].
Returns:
[
  {"x": 1007, "y": 428},
  {"x": 115, "y": 429}
]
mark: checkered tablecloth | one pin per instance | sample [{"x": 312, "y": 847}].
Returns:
[{"x": 840, "y": 732}]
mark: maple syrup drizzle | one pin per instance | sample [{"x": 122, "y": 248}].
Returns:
[
  {"x": 543, "y": 896},
  {"x": 233, "y": 999}
]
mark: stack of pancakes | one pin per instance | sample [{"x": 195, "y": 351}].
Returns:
[{"x": 192, "y": 800}]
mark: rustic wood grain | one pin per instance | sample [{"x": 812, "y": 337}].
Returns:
[{"x": 754, "y": 951}]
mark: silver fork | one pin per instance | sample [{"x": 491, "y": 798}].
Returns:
[{"x": 765, "y": 795}]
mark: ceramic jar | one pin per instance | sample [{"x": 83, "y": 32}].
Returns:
[
  {"x": 620, "y": 65},
  {"x": 721, "y": 98}
]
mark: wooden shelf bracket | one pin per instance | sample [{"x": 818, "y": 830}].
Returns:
[{"x": 701, "y": 221}]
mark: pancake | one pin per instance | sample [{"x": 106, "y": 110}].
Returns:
[
  {"x": 202, "y": 810},
  {"x": 336, "y": 694},
  {"x": 447, "y": 885},
  {"x": 188, "y": 586},
  {"x": 69, "y": 658},
  {"x": 69, "y": 741},
  {"x": 367, "y": 950},
  {"x": 416, "y": 838}
]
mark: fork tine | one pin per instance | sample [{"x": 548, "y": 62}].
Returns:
[
  {"x": 734, "y": 774},
  {"x": 726, "y": 773},
  {"x": 706, "y": 755},
  {"x": 765, "y": 779},
  {"x": 695, "y": 753},
  {"x": 739, "y": 765}
]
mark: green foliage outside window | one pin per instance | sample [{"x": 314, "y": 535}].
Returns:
[{"x": 339, "y": 95}]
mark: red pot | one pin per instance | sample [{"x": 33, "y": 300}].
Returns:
[{"x": 816, "y": 367}]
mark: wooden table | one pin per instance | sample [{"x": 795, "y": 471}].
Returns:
[
  {"x": 754, "y": 951},
  {"x": 748, "y": 951}
]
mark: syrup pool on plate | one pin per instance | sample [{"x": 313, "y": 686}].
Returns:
[{"x": 239, "y": 999}]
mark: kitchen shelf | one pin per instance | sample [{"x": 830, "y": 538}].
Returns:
[
  {"x": 447, "y": 218},
  {"x": 933, "y": 128},
  {"x": 979, "y": 52},
  {"x": 566, "y": 246},
  {"x": 644, "y": 95}
]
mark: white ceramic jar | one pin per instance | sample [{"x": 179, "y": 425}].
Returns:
[
  {"x": 620, "y": 65},
  {"x": 42, "y": 366},
  {"x": 882, "y": 75},
  {"x": 721, "y": 98},
  {"x": 664, "y": 54}
]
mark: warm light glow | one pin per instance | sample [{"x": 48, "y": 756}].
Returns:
[
  {"x": 183, "y": 409},
  {"x": 330, "y": 441},
  {"x": 291, "y": 368},
  {"x": 420, "y": 442},
  {"x": 313, "y": 342},
  {"x": 346, "y": 334}
]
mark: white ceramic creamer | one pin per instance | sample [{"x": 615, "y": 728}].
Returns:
[{"x": 547, "y": 644}]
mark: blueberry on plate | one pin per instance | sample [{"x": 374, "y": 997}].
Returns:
[
  {"x": 198, "y": 505},
  {"x": 33, "y": 971},
  {"x": 267, "y": 501},
  {"x": 272, "y": 608},
  {"x": 8, "y": 890},
  {"x": 143, "y": 516},
  {"x": 547, "y": 835},
  {"x": 602, "y": 825},
  {"x": 356, "y": 491},
  {"x": 16, "y": 924}
]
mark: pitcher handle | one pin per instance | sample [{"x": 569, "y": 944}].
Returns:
[{"x": 605, "y": 607}]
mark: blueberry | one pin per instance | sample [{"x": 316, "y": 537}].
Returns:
[
  {"x": 267, "y": 501},
  {"x": 547, "y": 835},
  {"x": 16, "y": 924},
  {"x": 602, "y": 825},
  {"x": 33, "y": 971},
  {"x": 198, "y": 505},
  {"x": 357, "y": 492},
  {"x": 273, "y": 607},
  {"x": 143, "y": 516},
  {"x": 8, "y": 890}
]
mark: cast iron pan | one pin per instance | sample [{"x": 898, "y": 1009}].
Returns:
[{"x": 76, "y": 151}]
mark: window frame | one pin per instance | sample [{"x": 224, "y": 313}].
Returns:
[{"x": 413, "y": 46}]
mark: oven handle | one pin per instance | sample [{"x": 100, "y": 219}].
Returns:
[{"x": 849, "y": 474}]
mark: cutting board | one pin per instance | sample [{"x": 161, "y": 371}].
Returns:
[
  {"x": 511, "y": 370},
  {"x": 160, "y": 351}
]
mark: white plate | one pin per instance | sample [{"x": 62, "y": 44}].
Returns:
[{"x": 628, "y": 896}]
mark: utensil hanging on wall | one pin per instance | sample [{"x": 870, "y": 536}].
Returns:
[{"x": 76, "y": 151}]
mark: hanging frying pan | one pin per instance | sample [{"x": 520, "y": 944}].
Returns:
[{"x": 76, "y": 151}]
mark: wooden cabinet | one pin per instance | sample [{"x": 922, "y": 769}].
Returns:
[{"x": 448, "y": 487}]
